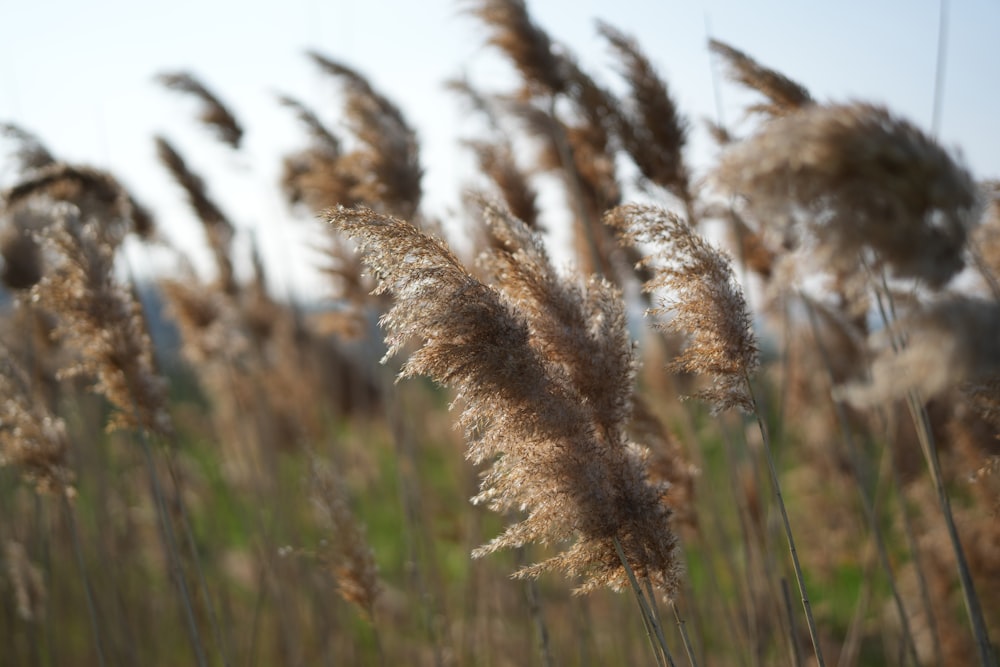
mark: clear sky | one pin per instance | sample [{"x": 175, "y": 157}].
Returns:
[{"x": 80, "y": 76}]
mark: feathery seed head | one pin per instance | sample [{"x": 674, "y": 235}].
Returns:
[
  {"x": 30, "y": 437},
  {"x": 556, "y": 444},
  {"x": 214, "y": 113},
  {"x": 95, "y": 193},
  {"x": 527, "y": 45},
  {"x": 947, "y": 343},
  {"x": 784, "y": 95},
  {"x": 102, "y": 320},
  {"x": 30, "y": 153},
  {"x": 700, "y": 292},
  {"x": 855, "y": 177},
  {"x": 651, "y": 128}
]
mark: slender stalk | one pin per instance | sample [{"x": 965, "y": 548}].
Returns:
[
  {"x": 776, "y": 484},
  {"x": 541, "y": 629},
  {"x": 970, "y": 597},
  {"x": 196, "y": 558},
  {"x": 415, "y": 533},
  {"x": 939, "y": 70},
  {"x": 911, "y": 536},
  {"x": 793, "y": 638},
  {"x": 175, "y": 479},
  {"x": 173, "y": 553},
  {"x": 852, "y": 642},
  {"x": 921, "y": 422},
  {"x": 867, "y": 503},
  {"x": 85, "y": 578},
  {"x": 911, "y": 541},
  {"x": 682, "y": 626},
  {"x": 257, "y": 608},
  {"x": 752, "y": 543},
  {"x": 653, "y": 631}
]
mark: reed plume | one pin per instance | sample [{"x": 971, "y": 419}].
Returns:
[
  {"x": 214, "y": 114},
  {"x": 28, "y": 582},
  {"x": 348, "y": 554},
  {"x": 31, "y": 153},
  {"x": 527, "y": 45},
  {"x": 948, "y": 342},
  {"x": 386, "y": 163},
  {"x": 316, "y": 176},
  {"x": 102, "y": 321},
  {"x": 784, "y": 95},
  {"x": 22, "y": 256},
  {"x": 580, "y": 151},
  {"x": 498, "y": 162},
  {"x": 31, "y": 439},
  {"x": 700, "y": 293},
  {"x": 93, "y": 191},
  {"x": 649, "y": 125},
  {"x": 558, "y": 448},
  {"x": 849, "y": 178},
  {"x": 218, "y": 229}
]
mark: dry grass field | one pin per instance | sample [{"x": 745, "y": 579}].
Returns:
[{"x": 752, "y": 421}]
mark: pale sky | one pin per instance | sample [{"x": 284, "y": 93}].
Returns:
[{"x": 80, "y": 76}]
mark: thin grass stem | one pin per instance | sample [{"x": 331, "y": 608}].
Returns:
[
  {"x": 173, "y": 553},
  {"x": 793, "y": 637},
  {"x": 653, "y": 631},
  {"x": 921, "y": 422},
  {"x": 541, "y": 629},
  {"x": 776, "y": 484},
  {"x": 84, "y": 578},
  {"x": 682, "y": 626},
  {"x": 867, "y": 503}
]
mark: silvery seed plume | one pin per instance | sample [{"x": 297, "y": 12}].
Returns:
[
  {"x": 947, "y": 343},
  {"x": 555, "y": 442},
  {"x": 853, "y": 178}
]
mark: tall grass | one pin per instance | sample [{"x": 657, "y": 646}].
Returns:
[{"x": 193, "y": 470}]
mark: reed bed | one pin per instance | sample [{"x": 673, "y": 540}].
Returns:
[{"x": 790, "y": 458}]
